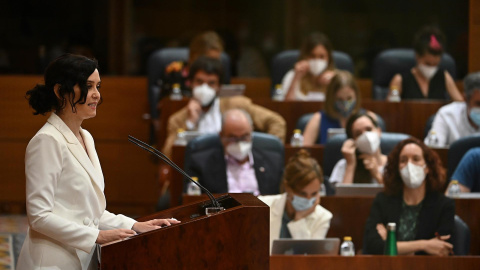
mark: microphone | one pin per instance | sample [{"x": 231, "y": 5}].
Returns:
[{"x": 165, "y": 159}]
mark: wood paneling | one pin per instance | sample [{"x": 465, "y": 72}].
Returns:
[{"x": 474, "y": 36}]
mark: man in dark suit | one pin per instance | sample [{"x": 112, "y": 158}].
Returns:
[{"x": 238, "y": 164}]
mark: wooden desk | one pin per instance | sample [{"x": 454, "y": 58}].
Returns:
[{"x": 363, "y": 262}]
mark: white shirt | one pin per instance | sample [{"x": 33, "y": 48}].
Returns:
[
  {"x": 451, "y": 123},
  {"x": 339, "y": 172},
  {"x": 241, "y": 177},
  {"x": 311, "y": 96},
  {"x": 209, "y": 122}
]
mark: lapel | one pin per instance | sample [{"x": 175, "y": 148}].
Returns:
[
  {"x": 259, "y": 166},
  {"x": 79, "y": 153},
  {"x": 277, "y": 209}
]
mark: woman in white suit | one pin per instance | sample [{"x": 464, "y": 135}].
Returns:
[
  {"x": 64, "y": 188},
  {"x": 296, "y": 213}
]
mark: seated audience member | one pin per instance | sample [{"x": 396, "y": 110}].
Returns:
[
  {"x": 426, "y": 80},
  {"x": 296, "y": 213},
  {"x": 363, "y": 160},
  {"x": 203, "y": 112},
  {"x": 413, "y": 199},
  {"x": 312, "y": 73},
  {"x": 459, "y": 119},
  {"x": 467, "y": 172},
  {"x": 343, "y": 100},
  {"x": 205, "y": 44},
  {"x": 237, "y": 167}
]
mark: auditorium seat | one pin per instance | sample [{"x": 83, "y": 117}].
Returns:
[
  {"x": 303, "y": 121},
  {"x": 393, "y": 61},
  {"x": 460, "y": 237},
  {"x": 458, "y": 149},
  {"x": 285, "y": 61}
]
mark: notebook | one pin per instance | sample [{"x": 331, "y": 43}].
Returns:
[{"x": 328, "y": 246}]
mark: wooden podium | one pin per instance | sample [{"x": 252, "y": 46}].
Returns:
[{"x": 236, "y": 238}]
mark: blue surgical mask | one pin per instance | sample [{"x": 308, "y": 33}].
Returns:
[
  {"x": 345, "y": 107},
  {"x": 301, "y": 203},
  {"x": 475, "y": 115}
]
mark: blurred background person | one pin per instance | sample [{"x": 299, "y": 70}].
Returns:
[
  {"x": 313, "y": 72},
  {"x": 426, "y": 80},
  {"x": 342, "y": 100},
  {"x": 467, "y": 172},
  {"x": 413, "y": 198},
  {"x": 297, "y": 212},
  {"x": 363, "y": 160}
]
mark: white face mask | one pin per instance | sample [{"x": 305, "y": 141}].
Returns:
[
  {"x": 427, "y": 71},
  {"x": 204, "y": 94},
  {"x": 413, "y": 175},
  {"x": 301, "y": 203},
  {"x": 317, "y": 66},
  {"x": 368, "y": 142},
  {"x": 239, "y": 150}
]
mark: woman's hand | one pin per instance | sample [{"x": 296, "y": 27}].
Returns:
[
  {"x": 348, "y": 151},
  {"x": 326, "y": 77},
  {"x": 371, "y": 164},
  {"x": 141, "y": 227},
  {"x": 438, "y": 246},
  {"x": 382, "y": 231},
  {"x": 301, "y": 68},
  {"x": 302, "y": 214},
  {"x": 107, "y": 236}
]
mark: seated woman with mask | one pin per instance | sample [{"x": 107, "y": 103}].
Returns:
[
  {"x": 363, "y": 160},
  {"x": 312, "y": 73},
  {"x": 413, "y": 199},
  {"x": 343, "y": 100},
  {"x": 296, "y": 213},
  {"x": 426, "y": 80}
]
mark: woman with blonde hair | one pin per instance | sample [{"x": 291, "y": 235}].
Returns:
[{"x": 296, "y": 213}]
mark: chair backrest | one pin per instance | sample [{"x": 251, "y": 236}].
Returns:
[
  {"x": 393, "y": 61},
  {"x": 333, "y": 148},
  {"x": 285, "y": 61},
  {"x": 460, "y": 237},
  {"x": 159, "y": 60},
  {"x": 428, "y": 125},
  {"x": 303, "y": 121},
  {"x": 458, "y": 149}
]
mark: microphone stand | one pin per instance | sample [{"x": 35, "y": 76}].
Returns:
[{"x": 165, "y": 159}]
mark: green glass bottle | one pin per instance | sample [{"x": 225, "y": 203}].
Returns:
[{"x": 391, "y": 244}]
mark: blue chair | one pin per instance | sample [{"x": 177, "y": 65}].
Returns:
[
  {"x": 458, "y": 149},
  {"x": 285, "y": 61},
  {"x": 304, "y": 119},
  {"x": 393, "y": 61},
  {"x": 460, "y": 237}
]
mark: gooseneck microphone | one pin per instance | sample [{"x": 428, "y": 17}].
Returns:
[{"x": 165, "y": 159}]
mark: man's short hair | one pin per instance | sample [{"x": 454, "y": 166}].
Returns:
[
  {"x": 471, "y": 83},
  {"x": 208, "y": 65}
]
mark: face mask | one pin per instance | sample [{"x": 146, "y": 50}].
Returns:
[
  {"x": 345, "y": 108},
  {"x": 204, "y": 94},
  {"x": 368, "y": 142},
  {"x": 239, "y": 150},
  {"x": 475, "y": 115},
  {"x": 317, "y": 66},
  {"x": 427, "y": 71},
  {"x": 301, "y": 203},
  {"x": 413, "y": 175}
]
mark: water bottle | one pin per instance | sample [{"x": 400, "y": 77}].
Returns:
[
  {"x": 394, "y": 95},
  {"x": 278, "y": 93},
  {"x": 297, "y": 138},
  {"x": 454, "y": 189},
  {"x": 432, "y": 139},
  {"x": 180, "y": 140},
  {"x": 193, "y": 189},
  {"x": 176, "y": 92},
  {"x": 391, "y": 244},
  {"x": 347, "y": 248}
]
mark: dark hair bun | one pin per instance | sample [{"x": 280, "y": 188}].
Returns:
[{"x": 41, "y": 99}]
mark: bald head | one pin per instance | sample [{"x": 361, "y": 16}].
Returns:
[{"x": 236, "y": 126}]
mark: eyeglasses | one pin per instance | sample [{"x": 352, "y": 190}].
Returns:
[{"x": 234, "y": 139}]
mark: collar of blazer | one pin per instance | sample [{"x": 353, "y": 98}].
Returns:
[{"x": 91, "y": 165}]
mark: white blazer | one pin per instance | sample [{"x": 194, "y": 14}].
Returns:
[
  {"x": 313, "y": 226},
  {"x": 65, "y": 200}
]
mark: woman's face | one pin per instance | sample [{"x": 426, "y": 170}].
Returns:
[
  {"x": 428, "y": 59},
  {"x": 411, "y": 153},
  {"x": 309, "y": 191},
  {"x": 319, "y": 52},
  {"x": 89, "y": 109},
  {"x": 361, "y": 125},
  {"x": 345, "y": 94}
]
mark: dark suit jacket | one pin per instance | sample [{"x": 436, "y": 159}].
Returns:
[
  {"x": 211, "y": 169},
  {"x": 437, "y": 215}
]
